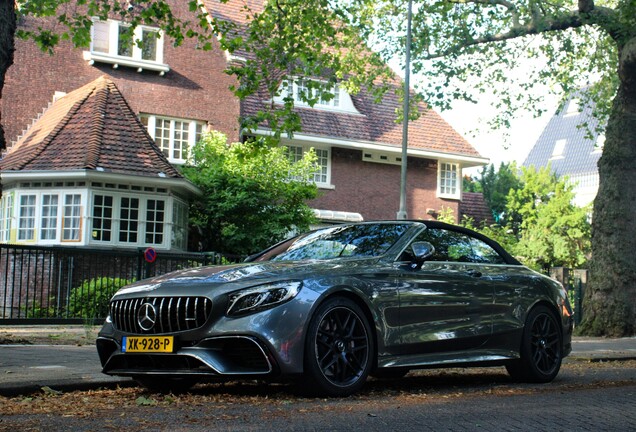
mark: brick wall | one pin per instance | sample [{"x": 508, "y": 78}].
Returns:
[
  {"x": 373, "y": 189},
  {"x": 195, "y": 88}
]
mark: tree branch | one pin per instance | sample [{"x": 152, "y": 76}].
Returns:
[
  {"x": 572, "y": 20},
  {"x": 514, "y": 13}
]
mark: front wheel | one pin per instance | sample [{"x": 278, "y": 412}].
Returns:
[
  {"x": 541, "y": 348},
  {"x": 339, "y": 348}
]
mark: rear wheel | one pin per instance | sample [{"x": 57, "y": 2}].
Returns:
[
  {"x": 541, "y": 348},
  {"x": 339, "y": 348}
]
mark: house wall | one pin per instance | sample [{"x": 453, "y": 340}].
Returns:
[
  {"x": 373, "y": 189},
  {"x": 196, "y": 86}
]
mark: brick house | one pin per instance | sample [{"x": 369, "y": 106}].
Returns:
[{"x": 178, "y": 92}]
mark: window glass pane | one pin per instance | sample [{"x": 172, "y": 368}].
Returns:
[
  {"x": 155, "y": 214},
  {"x": 149, "y": 45},
  {"x": 6, "y": 210},
  {"x": 48, "y": 227},
  {"x": 301, "y": 91},
  {"x": 320, "y": 176},
  {"x": 102, "y": 217},
  {"x": 295, "y": 153},
  {"x": 179, "y": 225},
  {"x": 126, "y": 41},
  {"x": 448, "y": 179},
  {"x": 181, "y": 137},
  {"x": 26, "y": 220},
  {"x": 198, "y": 133},
  {"x": 128, "y": 220},
  {"x": 71, "y": 223},
  {"x": 162, "y": 135},
  {"x": 101, "y": 39}
]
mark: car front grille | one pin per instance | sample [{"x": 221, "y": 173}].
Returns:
[{"x": 155, "y": 315}]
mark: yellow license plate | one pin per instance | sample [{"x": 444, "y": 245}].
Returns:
[{"x": 136, "y": 344}]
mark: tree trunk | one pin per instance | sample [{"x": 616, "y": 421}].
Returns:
[
  {"x": 609, "y": 307},
  {"x": 7, "y": 47}
]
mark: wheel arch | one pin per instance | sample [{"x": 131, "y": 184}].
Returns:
[{"x": 358, "y": 299}]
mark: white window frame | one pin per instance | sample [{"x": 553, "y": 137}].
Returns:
[
  {"x": 117, "y": 222},
  {"x": 135, "y": 60},
  {"x": 323, "y": 177},
  {"x": 72, "y": 211},
  {"x": 176, "y": 154},
  {"x": 27, "y": 217},
  {"x": 30, "y": 227},
  {"x": 6, "y": 216},
  {"x": 448, "y": 180},
  {"x": 341, "y": 101},
  {"x": 52, "y": 210}
]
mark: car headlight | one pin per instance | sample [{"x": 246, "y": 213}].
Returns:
[{"x": 262, "y": 297}]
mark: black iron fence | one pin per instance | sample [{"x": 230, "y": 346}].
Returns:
[
  {"x": 48, "y": 285},
  {"x": 575, "y": 281}
]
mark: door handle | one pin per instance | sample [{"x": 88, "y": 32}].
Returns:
[{"x": 474, "y": 273}]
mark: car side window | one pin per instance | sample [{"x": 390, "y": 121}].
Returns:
[{"x": 458, "y": 247}]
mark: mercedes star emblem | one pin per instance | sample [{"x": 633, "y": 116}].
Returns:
[{"x": 146, "y": 316}]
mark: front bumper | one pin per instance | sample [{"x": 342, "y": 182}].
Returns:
[{"x": 223, "y": 356}]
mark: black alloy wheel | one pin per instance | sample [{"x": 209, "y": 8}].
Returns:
[
  {"x": 339, "y": 348},
  {"x": 541, "y": 348}
]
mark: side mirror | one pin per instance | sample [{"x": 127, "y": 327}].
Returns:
[{"x": 421, "y": 251}]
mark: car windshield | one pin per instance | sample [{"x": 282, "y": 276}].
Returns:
[{"x": 365, "y": 240}]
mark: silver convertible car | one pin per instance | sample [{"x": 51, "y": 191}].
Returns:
[{"x": 333, "y": 306}]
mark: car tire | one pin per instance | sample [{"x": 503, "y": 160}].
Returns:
[
  {"x": 541, "y": 348},
  {"x": 339, "y": 349},
  {"x": 163, "y": 384}
]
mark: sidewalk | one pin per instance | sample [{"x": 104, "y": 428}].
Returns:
[{"x": 58, "y": 362}]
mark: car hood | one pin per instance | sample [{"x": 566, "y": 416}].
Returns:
[{"x": 237, "y": 276}]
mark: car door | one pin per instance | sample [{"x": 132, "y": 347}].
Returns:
[{"x": 446, "y": 305}]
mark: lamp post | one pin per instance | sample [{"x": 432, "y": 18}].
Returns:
[{"x": 401, "y": 214}]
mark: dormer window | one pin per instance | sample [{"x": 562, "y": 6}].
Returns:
[
  {"x": 559, "y": 149},
  {"x": 113, "y": 43},
  {"x": 573, "y": 108},
  {"x": 323, "y": 95}
]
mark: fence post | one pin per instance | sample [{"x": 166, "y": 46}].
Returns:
[{"x": 580, "y": 277}]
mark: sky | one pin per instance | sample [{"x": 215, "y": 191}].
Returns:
[{"x": 470, "y": 121}]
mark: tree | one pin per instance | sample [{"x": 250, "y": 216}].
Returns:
[
  {"x": 7, "y": 47},
  {"x": 496, "y": 185},
  {"x": 253, "y": 195},
  {"x": 552, "y": 231}
]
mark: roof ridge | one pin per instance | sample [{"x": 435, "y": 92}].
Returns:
[{"x": 102, "y": 88}]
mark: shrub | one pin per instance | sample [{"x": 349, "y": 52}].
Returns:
[{"x": 91, "y": 299}]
